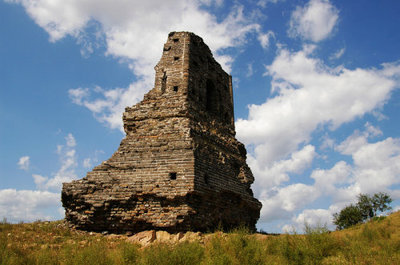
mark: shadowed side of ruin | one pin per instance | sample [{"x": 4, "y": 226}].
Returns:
[{"x": 180, "y": 166}]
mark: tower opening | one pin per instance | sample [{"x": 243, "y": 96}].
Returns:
[{"x": 211, "y": 97}]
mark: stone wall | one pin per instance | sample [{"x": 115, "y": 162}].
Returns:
[{"x": 179, "y": 167}]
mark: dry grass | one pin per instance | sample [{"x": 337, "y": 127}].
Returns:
[{"x": 377, "y": 242}]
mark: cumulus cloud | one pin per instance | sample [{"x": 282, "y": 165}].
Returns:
[
  {"x": 312, "y": 218},
  {"x": 45, "y": 201},
  {"x": 376, "y": 165},
  {"x": 134, "y": 31},
  {"x": 326, "y": 181},
  {"x": 280, "y": 203},
  {"x": 375, "y": 168},
  {"x": 24, "y": 162},
  {"x": 309, "y": 94},
  {"x": 28, "y": 205},
  {"x": 272, "y": 175},
  {"x": 315, "y": 21},
  {"x": 108, "y": 105}
]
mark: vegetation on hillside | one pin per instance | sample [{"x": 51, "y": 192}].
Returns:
[
  {"x": 375, "y": 242},
  {"x": 367, "y": 207}
]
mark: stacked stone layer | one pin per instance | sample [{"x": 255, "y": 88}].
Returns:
[{"x": 179, "y": 167}]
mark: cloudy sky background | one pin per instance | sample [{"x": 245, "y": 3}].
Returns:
[{"x": 316, "y": 86}]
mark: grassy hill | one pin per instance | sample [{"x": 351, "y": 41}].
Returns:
[{"x": 376, "y": 242}]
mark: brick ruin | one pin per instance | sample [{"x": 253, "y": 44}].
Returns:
[{"x": 180, "y": 167}]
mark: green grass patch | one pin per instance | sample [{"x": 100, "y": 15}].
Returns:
[{"x": 376, "y": 242}]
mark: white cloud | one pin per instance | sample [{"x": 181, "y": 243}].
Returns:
[
  {"x": 375, "y": 168},
  {"x": 337, "y": 54},
  {"x": 263, "y": 3},
  {"x": 135, "y": 31},
  {"x": 326, "y": 180},
  {"x": 280, "y": 203},
  {"x": 211, "y": 2},
  {"x": 43, "y": 203},
  {"x": 376, "y": 165},
  {"x": 28, "y": 205},
  {"x": 264, "y": 38},
  {"x": 66, "y": 173},
  {"x": 310, "y": 94},
  {"x": 110, "y": 104},
  {"x": 87, "y": 163},
  {"x": 250, "y": 70},
  {"x": 313, "y": 218},
  {"x": 68, "y": 159},
  {"x": 40, "y": 181},
  {"x": 70, "y": 140},
  {"x": 315, "y": 21},
  {"x": 24, "y": 162},
  {"x": 269, "y": 176},
  {"x": 327, "y": 142},
  {"x": 358, "y": 139}
]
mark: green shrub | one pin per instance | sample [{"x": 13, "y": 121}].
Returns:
[{"x": 366, "y": 208}]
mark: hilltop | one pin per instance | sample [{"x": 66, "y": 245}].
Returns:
[{"x": 376, "y": 242}]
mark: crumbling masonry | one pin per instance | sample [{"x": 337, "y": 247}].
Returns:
[{"x": 179, "y": 167}]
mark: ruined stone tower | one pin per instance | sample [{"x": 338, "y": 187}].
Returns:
[{"x": 179, "y": 167}]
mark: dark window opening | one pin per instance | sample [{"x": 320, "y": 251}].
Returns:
[
  {"x": 164, "y": 82},
  {"x": 211, "y": 97},
  {"x": 176, "y": 88},
  {"x": 236, "y": 167},
  {"x": 175, "y": 40},
  {"x": 176, "y": 58},
  {"x": 206, "y": 179},
  {"x": 167, "y": 49},
  {"x": 227, "y": 117},
  {"x": 172, "y": 175}
]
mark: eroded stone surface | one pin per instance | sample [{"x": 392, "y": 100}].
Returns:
[{"x": 180, "y": 167}]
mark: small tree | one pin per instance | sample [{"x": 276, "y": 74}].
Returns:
[
  {"x": 366, "y": 207},
  {"x": 348, "y": 216},
  {"x": 381, "y": 202}
]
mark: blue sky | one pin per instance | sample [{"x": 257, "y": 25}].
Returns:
[{"x": 316, "y": 87}]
